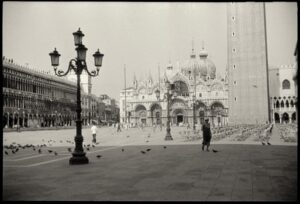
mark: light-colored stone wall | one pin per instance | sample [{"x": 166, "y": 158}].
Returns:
[{"x": 248, "y": 94}]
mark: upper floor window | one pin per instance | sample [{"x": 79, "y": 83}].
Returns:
[
  {"x": 286, "y": 84},
  {"x": 277, "y": 104}
]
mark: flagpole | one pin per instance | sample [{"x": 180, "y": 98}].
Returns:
[{"x": 125, "y": 93}]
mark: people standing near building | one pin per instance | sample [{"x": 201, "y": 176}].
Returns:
[
  {"x": 206, "y": 135},
  {"x": 94, "y": 131}
]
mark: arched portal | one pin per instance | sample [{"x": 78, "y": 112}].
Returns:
[
  {"x": 10, "y": 120},
  {"x": 178, "y": 116},
  {"x": 201, "y": 108},
  {"x": 277, "y": 104},
  {"x": 217, "y": 110},
  {"x": 277, "y": 118},
  {"x": 285, "y": 118},
  {"x": 181, "y": 88},
  {"x": 156, "y": 114},
  {"x": 294, "y": 117},
  {"x": 141, "y": 114}
]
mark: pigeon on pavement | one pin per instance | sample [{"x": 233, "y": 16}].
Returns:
[
  {"x": 99, "y": 156},
  {"x": 263, "y": 143},
  {"x": 269, "y": 143},
  {"x": 143, "y": 152},
  {"x": 6, "y": 152},
  {"x": 215, "y": 151},
  {"x": 165, "y": 147},
  {"x": 55, "y": 153},
  {"x": 40, "y": 151},
  {"x": 122, "y": 149},
  {"x": 50, "y": 151},
  {"x": 148, "y": 150}
]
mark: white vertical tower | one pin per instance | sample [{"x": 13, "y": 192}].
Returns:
[{"x": 247, "y": 63}]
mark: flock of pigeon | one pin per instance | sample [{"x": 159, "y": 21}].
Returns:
[{"x": 14, "y": 148}]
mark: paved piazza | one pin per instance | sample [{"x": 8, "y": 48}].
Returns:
[{"x": 246, "y": 171}]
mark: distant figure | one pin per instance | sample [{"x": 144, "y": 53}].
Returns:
[
  {"x": 154, "y": 127},
  {"x": 206, "y": 135},
  {"x": 188, "y": 126},
  {"x": 94, "y": 132},
  {"x": 118, "y": 127}
]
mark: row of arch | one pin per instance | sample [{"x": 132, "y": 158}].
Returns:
[
  {"x": 199, "y": 105},
  {"x": 284, "y": 103},
  {"x": 285, "y": 118},
  {"x": 179, "y": 114},
  {"x": 11, "y": 120}
]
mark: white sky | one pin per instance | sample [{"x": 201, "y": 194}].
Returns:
[{"x": 140, "y": 35}]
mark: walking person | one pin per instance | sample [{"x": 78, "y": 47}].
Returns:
[
  {"x": 206, "y": 135},
  {"x": 94, "y": 131}
]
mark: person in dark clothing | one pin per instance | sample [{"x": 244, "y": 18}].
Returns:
[{"x": 206, "y": 135}]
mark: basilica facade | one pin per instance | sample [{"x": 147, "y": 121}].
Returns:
[{"x": 199, "y": 93}]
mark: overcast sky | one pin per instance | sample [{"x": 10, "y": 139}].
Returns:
[{"x": 140, "y": 35}]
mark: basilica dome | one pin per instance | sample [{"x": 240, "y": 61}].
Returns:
[
  {"x": 202, "y": 66},
  {"x": 207, "y": 67}
]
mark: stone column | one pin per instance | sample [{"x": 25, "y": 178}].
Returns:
[
  {"x": 23, "y": 119},
  {"x": 280, "y": 118},
  {"x": 8, "y": 116}
]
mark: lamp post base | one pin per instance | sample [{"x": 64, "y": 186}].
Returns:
[
  {"x": 78, "y": 158},
  {"x": 168, "y": 137}
]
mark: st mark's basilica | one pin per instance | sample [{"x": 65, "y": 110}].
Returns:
[{"x": 199, "y": 93}]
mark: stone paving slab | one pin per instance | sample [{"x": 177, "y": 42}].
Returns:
[{"x": 175, "y": 173}]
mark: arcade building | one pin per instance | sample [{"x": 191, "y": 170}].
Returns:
[{"x": 34, "y": 98}]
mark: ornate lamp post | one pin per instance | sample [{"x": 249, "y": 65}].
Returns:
[
  {"x": 18, "y": 122},
  {"x": 169, "y": 94},
  {"x": 78, "y": 65},
  {"x": 56, "y": 120},
  {"x": 194, "y": 112},
  {"x": 157, "y": 94}
]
